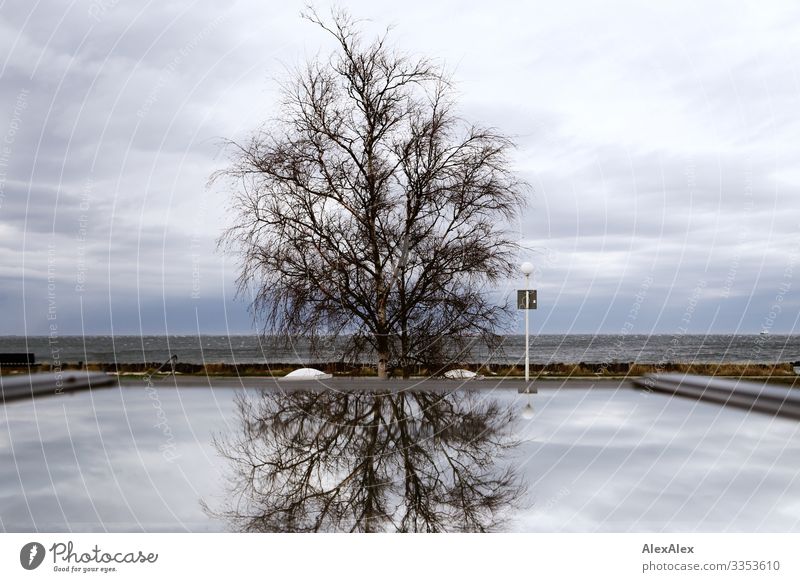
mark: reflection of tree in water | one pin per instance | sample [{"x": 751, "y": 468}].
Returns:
[{"x": 333, "y": 461}]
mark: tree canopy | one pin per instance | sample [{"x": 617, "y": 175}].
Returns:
[{"x": 369, "y": 210}]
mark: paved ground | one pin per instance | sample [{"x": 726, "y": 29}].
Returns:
[
  {"x": 371, "y": 384},
  {"x": 42, "y": 385}
]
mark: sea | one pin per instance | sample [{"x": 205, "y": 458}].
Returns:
[{"x": 544, "y": 349}]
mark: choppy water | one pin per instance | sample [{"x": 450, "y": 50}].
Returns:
[{"x": 544, "y": 349}]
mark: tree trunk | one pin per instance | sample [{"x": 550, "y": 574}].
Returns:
[
  {"x": 383, "y": 357},
  {"x": 382, "y": 337},
  {"x": 404, "y": 352}
]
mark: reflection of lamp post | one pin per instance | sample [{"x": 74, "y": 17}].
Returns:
[
  {"x": 527, "y": 269},
  {"x": 527, "y": 412}
]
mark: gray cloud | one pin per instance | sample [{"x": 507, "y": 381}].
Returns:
[{"x": 659, "y": 141}]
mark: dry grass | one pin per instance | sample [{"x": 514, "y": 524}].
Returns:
[{"x": 556, "y": 370}]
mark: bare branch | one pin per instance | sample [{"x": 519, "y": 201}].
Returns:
[{"x": 369, "y": 210}]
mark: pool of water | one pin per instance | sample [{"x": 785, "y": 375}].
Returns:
[{"x": 198, "y": 459}]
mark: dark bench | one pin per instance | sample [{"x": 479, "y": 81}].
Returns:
[{"x": 20, "y": 359}]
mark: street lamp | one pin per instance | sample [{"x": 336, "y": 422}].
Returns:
[
  {"x": 526, "y": 299},
  {"x": 527, "y": 269}
]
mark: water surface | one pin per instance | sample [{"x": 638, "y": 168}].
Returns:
[
  {"x": 590, "y": 459},
  {"x": 545, "y": 349}
]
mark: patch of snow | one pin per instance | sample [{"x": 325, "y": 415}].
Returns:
[
  {"x": 307, "y": 374},
  {"x": 460, "y": 374}
]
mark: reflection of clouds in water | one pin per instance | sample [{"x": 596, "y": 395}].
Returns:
[
  {"x": 594, "y": 460},
  {"x": 673, "y": 465},
  {"x": 116, "y": 477}
]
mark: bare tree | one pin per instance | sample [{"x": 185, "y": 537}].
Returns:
[
  {"x": 354, "y": 461},
  {"x": 369, "y": 210}
]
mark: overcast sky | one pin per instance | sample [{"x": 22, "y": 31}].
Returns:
[{"x": 662, "y": 144}]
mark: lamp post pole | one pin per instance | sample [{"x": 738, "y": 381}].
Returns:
[
  {"x": 527, "y": 330},
  {"x": 527, "y": 269}
]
